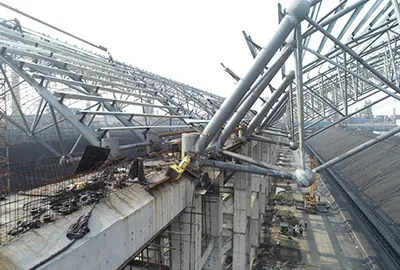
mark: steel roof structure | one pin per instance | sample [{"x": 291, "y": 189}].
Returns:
[{"x": 341, "y": 53}]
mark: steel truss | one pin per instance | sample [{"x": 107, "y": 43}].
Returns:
[
  {"x": 342, "y": 53},
  {"x": 57, "y": 77}
]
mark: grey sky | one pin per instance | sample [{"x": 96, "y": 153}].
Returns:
[{"x": 182, "y": 40}]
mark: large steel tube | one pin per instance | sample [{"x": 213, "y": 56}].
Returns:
[
  {"x": 249, "y": 102},
  {"x": 303, "y": 178},
  {"x": 268, "y": 105},
  {"x": 297, "y": 11},
  {"x": 249, "y": 160},
  {"x": 247, "y": 169}
]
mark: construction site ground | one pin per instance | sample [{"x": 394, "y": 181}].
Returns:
[{"x": 326, "y": 244}]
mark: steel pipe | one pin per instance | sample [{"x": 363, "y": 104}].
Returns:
[
  {"x": 299, "y": 95},
  {"x": 54, "y": 102},
  {"x": 303, "y": 178},
  {"x": 249, "y": 102},
  {"x": 292, "y": 145},
  {"x": 297, "y": 11},
  {"x": 353, "y": 73},
  {"x": 134, "y": 146},
  {"x": 357, "y": 149},
  {"x": 249, "y": 160},
  {"x": 395, "y": 5},
  {"x": 268, "y": 105},
  {"x": 272, "y": 113},
  {"x": 247, "y": 169},
  {"x": 269, "y": 132}
]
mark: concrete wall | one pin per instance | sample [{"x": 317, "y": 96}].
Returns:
[{"x": 119, "y": 226}]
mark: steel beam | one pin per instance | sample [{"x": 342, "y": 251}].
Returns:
[
  {"x": 249, "y": 102},
  {"x": 250, "y": 160},
  {"x": 347, "y": 117},
  {"x": 141, "y": 127},
  {"x": 134, "y": 146},
  {"x": 353, "y": 73},
  {"x": 265, "y": 123},
  {"x": 37, "y": 139},
  {"x": 266, "y": 140}
]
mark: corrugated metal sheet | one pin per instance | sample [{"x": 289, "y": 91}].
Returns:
[{"x": 374, "y": 173}]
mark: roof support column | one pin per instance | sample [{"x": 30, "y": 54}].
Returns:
[
  {"x": 216, "y": 212},
  {"x": 248, "y": 103},
  {"x": 241, "y": 214},
  {"x": 270, "y": 102}
]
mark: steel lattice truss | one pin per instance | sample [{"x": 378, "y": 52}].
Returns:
[
  {"x": 328, "y": 56},
  {"x": 333, "y": 56},
  {"x": 55, "y": 77},
  {"x": 361, "y": 58},
  {"x": 350, "y": 56},
  {"x": 342, "y": 52}
]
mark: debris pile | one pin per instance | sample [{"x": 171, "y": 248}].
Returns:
[{"x": 82, "y": 191}]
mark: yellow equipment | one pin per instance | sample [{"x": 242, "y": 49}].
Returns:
[
  {"x": 175, "y": 171},
  {"x": 310, "y": 200}
]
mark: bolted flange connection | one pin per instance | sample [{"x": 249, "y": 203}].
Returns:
[{"x": 304, "y": 177}]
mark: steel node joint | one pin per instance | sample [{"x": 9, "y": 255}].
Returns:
[
  {"x": 298, "y": 10},
  {"x": 304, "y": 177}
]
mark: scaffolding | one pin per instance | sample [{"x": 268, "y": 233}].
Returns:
[{"x": 4, "y": 165}]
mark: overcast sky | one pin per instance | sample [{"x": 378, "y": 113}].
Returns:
[{"x": 182, "y": 40}]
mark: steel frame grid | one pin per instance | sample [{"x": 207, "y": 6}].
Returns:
[
  {"x": 60, "y": 76},
  {"x": 344, "y": 54}
]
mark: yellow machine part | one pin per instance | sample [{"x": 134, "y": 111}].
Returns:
[
  {"x": 176, "y": 171},
  {"x": 310, "y": 200}
]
